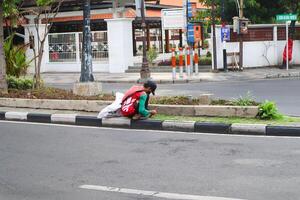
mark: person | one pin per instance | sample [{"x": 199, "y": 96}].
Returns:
[{"x": 136, "y": 99}]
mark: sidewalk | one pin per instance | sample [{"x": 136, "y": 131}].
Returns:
[{"x": 247, "y": 74}]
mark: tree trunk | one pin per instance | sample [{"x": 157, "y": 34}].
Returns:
[
  {"x": 3, "y": 84},
  {"x": 39, "y": 65}
]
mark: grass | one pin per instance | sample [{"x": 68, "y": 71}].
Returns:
[{"x": 286, "y": 120}]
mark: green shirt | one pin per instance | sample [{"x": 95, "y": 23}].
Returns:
[{"x": 142, "y": 109}]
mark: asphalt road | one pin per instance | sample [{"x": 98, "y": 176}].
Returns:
[
  {"x": 52, "y": 162},
  {"x": 286, "y": 93}
]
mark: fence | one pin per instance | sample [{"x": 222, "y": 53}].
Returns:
[{"x": 67, "y": 47}]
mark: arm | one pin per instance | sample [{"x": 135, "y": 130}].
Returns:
[{"x": 142, "y": 106}]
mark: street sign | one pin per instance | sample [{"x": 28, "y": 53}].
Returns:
[
  {"x": 173, "y": 18},
  {"x": 189, "y": 9},
  {"x": 286, "y": 17},
  {"x": 225, "y": 33},
  {"x": 191, "y": 34}
]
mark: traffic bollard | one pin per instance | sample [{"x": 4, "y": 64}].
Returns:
[
  {"x": 188, "y": 60},
  {"x": 192, "y": 61},
  {"x": 173, "y": 64},
  {"x": 180, "y": 62},
  {"x": 196, "y": 60}
]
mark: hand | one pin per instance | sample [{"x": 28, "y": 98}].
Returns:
[{"x": 153, "y": 112}]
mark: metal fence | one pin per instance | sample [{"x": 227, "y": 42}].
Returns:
[{"x": 67, "y": 47}]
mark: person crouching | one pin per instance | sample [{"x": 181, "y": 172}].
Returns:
[{"x": 135, "y": 101}]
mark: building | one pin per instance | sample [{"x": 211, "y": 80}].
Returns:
[{"x": 116, "y": 34}]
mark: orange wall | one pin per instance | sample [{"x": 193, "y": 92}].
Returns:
[{"x": 179, "y": 3}]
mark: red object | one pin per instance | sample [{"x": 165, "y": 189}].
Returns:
[
  {"x": 196, "y": 57},
  {"x": 188, "y": 56},
  {"x": 290, "y": 50},
  {"x": 54, "y": 56},
  {"x": 173, "y": 58},
  {"x": 180, "y": 58},
  {"x": 130, "y": 100}
]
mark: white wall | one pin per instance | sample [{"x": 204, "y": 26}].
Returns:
[
  {"x": 257, "y": 54},
  {"x": 74, "y": 67},
  {"x": 119, "y": 33}
]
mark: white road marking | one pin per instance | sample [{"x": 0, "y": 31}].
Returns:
[
  {"x": 152, "y": 193},
  {"x": 150, "y": 131}
]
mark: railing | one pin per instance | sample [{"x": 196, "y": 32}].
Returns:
[{"x": 66, "y": 47}]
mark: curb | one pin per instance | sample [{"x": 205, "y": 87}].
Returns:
[
  {"x": 159, "y": 81},
  {"x": 168, "y": 125}
]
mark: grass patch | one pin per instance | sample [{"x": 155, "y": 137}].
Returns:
[{"x": 286, "y": 120}]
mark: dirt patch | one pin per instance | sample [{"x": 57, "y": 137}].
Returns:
[{"x": 55, "y": 93}]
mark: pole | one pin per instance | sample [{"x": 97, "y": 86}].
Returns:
[
  {"x": 192, "y": 60},
  {"x": 241, "y": 13},
  {"x": 224, "y": 56},
  {"x": 214, "y": 34},
  {"x": 180, "y": 62},
  {"x": 224, "y": 38},
  {"x": 145, "y": 72},
  {"x": 3, "y": 84},
  {"x": 173, "y": 65},
  {"x": 86, "y": 64},
  {"x": 188, "y": 62},
  {"x": 287, "y": 45},
  {"x": 196, "y": 60}
]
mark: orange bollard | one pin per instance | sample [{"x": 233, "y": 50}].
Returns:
[
  {"x": 181, "y": 62},
  {"x": 173, "y": 58},
  {"x": 188, "y": 60},
  {"x": 173, "y": 64}
]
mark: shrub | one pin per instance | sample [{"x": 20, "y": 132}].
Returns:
[
  {"x": 19, "y": 83},
  {"x": 247, "y": 100},
  {"x": 268, "y": 110},
  {"x": 152, "y": 55},
  {"x": 15, "y": 57},
  {"x": 205, "y": 61},
  {"x": 208, "y": 54}
]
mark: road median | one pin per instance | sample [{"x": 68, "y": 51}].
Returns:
[{"x": 155, "y": 124}]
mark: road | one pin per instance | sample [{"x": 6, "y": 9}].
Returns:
[
  {"x": 54, "y": 162},
  {"x": 283, "y": 91}
]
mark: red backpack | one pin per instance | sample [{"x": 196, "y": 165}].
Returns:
[{"x": 130, "y": 101}]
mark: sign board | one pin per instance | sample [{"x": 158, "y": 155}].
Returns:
[
  {"x": 173, "y": 18},
  {"x": 190, "y": 33},
  {"x": 189, "y": 9},
  {"x": 225, "y": 33},
  {"x": 286, "y": 17}
]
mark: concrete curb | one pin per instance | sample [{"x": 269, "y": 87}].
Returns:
[
  {"x": 283, "y": 131},
  {"x": 190, "y": 126},
  {"x": 248, "y": 129},
  {"x": 96, "y": 106},
  {"x": 207, "y": 127}
]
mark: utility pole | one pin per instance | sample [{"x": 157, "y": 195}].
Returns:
[
  {"x": 3, "y": 84},
  {"x": 145, "y": 72},
  {"x": 86, "y": 64},
  {"x": 213, "y": 10},
  {"x": 241, "y": 16}
]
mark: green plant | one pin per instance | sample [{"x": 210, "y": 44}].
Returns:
[
  {"x": 15, "y": 57},
  {"x": 205, "y": 60},
  {"x": 268, "y": 110},
  {"x": 19, "y": 83},
  {"x": 152, "y": 55},
  {"x": 208, "y": 54},
  {"x": 247, "y": 100}
]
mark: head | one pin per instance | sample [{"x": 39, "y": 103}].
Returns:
[{"x": 150, "y": 87}]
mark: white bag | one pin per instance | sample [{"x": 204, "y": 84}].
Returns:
[{"x": 112, "y": 108}]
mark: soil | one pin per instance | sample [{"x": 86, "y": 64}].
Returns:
[{"x": 54, "y": 93}]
